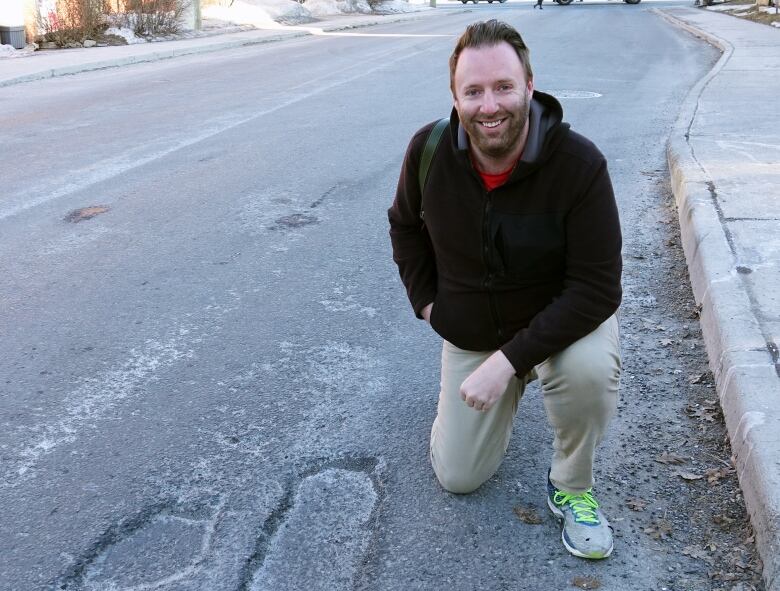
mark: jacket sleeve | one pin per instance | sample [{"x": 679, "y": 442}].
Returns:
[
  {"x": 591, "y": 287},
  {"x": 412, "y": 248}
]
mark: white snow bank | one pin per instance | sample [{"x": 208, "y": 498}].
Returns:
[
  {"x": 260, "y": 12},
  {"x": 333, "y": 7},
  {"x": 397, "y": 6},
  {"x": 265, "y": 13},
  {"x": 730, "y": 7},
  {"x": 125, "y": 33},
  {"x": 7, "y": 50}
]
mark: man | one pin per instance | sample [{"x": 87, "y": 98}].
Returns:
[{"x": 517, "y": 266}]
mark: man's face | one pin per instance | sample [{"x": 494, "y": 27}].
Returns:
[{"x": 492, "y": 97}]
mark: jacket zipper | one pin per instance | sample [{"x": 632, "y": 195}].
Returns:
[{"x": 487, "y": 281}]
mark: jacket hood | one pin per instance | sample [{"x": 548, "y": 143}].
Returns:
[{"x": 545, "y": 131}]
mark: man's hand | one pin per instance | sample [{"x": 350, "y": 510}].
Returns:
[
  {"x": 482, "y": 389},
  {"x": 426, "y": 312}
]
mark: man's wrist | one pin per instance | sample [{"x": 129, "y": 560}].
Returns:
[
  {"x": 504, "y": 365},
  {"x": 426, "y": 312}
]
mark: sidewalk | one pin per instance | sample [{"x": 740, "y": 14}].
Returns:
[
  {"x": 724, "y": 158},
  {"x": 61, "y": 62}
]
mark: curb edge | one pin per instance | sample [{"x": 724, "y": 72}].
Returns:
[{"x": 745, "y": 377}]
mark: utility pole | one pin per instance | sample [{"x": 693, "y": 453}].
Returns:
[{"x": 191, "y": 15}]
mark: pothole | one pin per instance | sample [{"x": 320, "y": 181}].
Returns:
[
  {"x": 296, "y": 220},
  {"x": 325, "y": 534},
  {"x": 158, "y": 548}
]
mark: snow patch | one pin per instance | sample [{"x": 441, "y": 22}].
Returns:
[
  {"x": 333, "y": 7},
  {"x": 127, "y": 34},
  {"x": 265, "y": 13},
  {"x": 260, "y": 12},
  {"x": 400, "y": 6}
]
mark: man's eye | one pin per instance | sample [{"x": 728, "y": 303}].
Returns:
[
  {"x": 505, "y": 87},
  {"x": 472, "y": 92}
]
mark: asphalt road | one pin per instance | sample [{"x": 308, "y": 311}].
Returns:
[{"x": 216, "y": 382}]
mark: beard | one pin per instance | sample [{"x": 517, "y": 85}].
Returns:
[{"x": 493, "y": 144}]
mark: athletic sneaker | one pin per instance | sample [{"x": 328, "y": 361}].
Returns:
[{"x": 586, "y": 531}]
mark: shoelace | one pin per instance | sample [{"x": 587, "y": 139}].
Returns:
[{"x": 583, "y": 506}]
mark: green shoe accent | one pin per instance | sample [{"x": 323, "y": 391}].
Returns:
[
  {"x": 586, "y": 531},
  {"x": 583, "y": 506}
]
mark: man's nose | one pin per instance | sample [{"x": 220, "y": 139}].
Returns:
[{"x": 489, "y": 103}]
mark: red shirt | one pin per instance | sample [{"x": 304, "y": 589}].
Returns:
[{"x": 491, "y": 181}]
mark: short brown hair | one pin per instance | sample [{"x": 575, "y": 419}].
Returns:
[{"x": 488, "y": 34}]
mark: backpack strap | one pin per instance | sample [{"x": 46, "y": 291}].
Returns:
[{"x": 434, "y": 137}]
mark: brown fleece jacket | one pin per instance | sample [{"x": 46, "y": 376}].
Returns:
[{"x": 530, "y": 267}]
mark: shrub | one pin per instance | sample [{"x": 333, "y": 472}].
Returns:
[
  {"x": 149, "y": 18},
  {"x": 72, "y": 21}
]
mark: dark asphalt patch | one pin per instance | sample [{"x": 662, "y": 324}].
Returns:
[
  {"x": 85, "y": 213},
  {"x": 295, "y": 220}
]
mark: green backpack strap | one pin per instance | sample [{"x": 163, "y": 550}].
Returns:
[{"x": 434, "y": 137}]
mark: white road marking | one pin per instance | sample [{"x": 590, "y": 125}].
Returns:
[
  {"x": 108, "y": 168},
  {"x": 89, "y": 402}
]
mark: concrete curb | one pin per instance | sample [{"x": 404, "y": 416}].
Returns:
[
  {"x": 207, "y": 47},
  {"x": 745, "y": 375}
]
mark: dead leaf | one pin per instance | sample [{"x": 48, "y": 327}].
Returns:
[
  {"x": 705, "y": 412},
  {"x": 722, "y": 520},
  {"x": 666, "y": 342},
  {"x": 696, "y": 378},
  {"x": 669, "y": 458},
  {"x": 698, "y": 553},
  {"x": 528, "y": 515},
  {"x": 586, "y": 582},
  {"x": 690, "y": 476},
  {"x": 715, "y": 474},
  {"x": 659, "y": 529},
  {"x": 636, "y": 504}
]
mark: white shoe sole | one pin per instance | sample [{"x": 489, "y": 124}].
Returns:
[{"x": 559, "y": 514}]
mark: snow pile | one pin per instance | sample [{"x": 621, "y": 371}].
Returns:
[
  {"x": 260, "y": 12},
  {"x": 396, "y": 6},
  {"x": 268, "y": 13},
  {"x": 334, "y": 7},
  {"x": 729, "y": 7},
  {"x": 9, "y": 51},
  {"x": 127, "y": 34}
]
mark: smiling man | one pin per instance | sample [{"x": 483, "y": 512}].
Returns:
[{"x": 517, "y": 267}]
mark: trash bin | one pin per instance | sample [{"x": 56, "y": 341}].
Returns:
[{"x": 12, "y": 36}]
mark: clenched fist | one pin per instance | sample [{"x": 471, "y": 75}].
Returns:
[{"x": 482, "y": 389}]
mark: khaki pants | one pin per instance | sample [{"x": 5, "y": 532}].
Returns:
[{"x": 580, "y": 387}]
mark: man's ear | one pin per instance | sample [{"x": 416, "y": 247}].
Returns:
[{"x": 530, "y": 88}]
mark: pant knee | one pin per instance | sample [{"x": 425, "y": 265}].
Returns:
[{"x": 461, "y": 483}]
